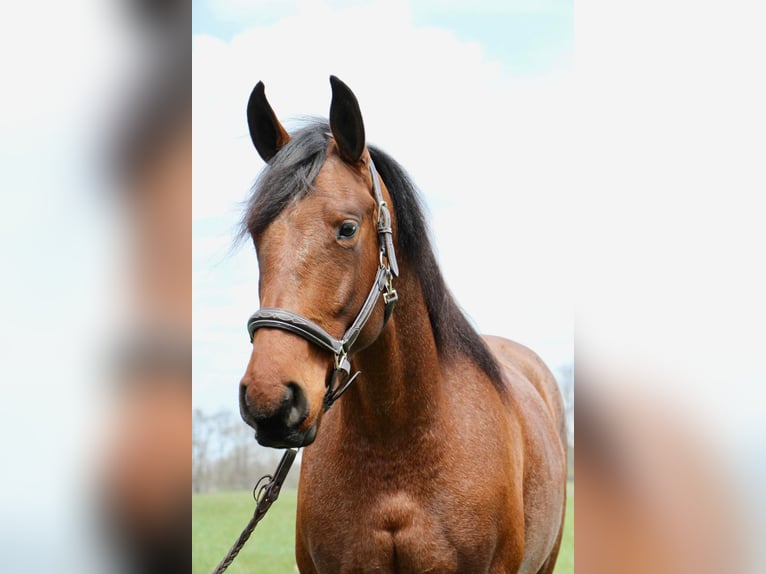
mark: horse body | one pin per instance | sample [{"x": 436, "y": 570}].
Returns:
[
  {"x": 447, "y": 454},
  {"x": 465, "y": 490}
]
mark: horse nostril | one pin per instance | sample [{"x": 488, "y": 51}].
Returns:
[
  {"x": 295, "y": 405},
  {"x": 244, "y": 406}
]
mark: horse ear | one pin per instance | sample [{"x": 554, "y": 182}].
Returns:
[
  {"x": 346, "y": 121},
  {"x": 267, "y": 133}
]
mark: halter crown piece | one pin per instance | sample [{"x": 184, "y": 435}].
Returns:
[{"x": 275, "y": 318}]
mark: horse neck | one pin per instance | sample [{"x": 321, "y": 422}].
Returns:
[{"x": 399, "y": 391}]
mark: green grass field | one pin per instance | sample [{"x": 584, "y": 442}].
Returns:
[{"x": 219, "y": 518}]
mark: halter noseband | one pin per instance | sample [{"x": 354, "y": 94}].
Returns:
[{"x": 275, "y": 318}]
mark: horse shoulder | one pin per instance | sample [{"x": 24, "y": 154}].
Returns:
[{"x": 520, "y": 362}]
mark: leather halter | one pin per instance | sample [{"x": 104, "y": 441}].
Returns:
[{"x": 388, "y": 269}]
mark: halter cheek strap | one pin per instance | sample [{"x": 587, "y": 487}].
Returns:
[{"x": 388, "y": 268}]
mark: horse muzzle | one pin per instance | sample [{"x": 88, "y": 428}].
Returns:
[{"x": 281, "y": 428}]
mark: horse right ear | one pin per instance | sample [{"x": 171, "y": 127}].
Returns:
[
  {"x": 346, "y": 122},
  {"x": 267, "y": 133}
]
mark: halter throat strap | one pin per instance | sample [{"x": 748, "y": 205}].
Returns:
[{"x": 388, "y": 268}]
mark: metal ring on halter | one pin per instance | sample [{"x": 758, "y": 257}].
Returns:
[
  {"x": 339, "y": 383},
  {"x": 260, "y": 487}
]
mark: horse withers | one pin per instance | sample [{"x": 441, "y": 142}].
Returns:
[{"x": 447, "y": 453}]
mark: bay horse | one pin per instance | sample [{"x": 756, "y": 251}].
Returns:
[{"x": 447, "y": 453}]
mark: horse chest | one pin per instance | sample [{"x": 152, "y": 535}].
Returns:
[{"x": 394, "y": 533}]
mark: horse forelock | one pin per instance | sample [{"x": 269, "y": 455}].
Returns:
[{"x": 288, "y": 177}]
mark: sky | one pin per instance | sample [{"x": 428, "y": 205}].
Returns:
[{"x": 472, "y": 99}]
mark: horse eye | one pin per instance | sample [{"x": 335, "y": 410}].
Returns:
[{"x": 347, "y": 230}]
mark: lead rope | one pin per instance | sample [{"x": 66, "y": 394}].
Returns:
[{"x": 265, "y": 495}]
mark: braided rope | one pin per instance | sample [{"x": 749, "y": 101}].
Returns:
[{"x": 265, "y": 497}]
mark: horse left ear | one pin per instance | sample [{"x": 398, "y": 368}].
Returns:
[{"x": 346, "y": 121}]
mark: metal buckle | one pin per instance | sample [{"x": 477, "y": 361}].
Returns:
[{"x": 390, "y": 296}]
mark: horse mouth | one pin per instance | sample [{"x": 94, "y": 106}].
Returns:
[{"x": 292, "y": 439}]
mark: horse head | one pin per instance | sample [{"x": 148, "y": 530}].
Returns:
[{"x": 316, "y": 226}]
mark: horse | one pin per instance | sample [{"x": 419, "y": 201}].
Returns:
[{"x": 446, "y": 454}]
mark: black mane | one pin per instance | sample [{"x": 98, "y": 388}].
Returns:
[{"x": 290, "y": 175}]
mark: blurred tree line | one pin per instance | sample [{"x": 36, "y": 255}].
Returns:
[{"x": 225, "y": 455}]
